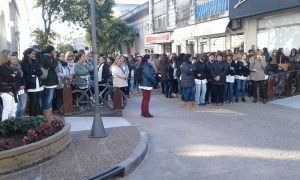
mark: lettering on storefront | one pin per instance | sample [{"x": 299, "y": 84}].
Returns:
[
  {"x": 158, "y": 38},
  {"x": 239, "y": 3}
]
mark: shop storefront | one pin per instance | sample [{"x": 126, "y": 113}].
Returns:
[
  {"x": 158, "y": 43},
  {"x": 272, "y": 23}
]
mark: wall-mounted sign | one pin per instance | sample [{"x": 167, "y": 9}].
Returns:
[
  {"x": 211, "y": 8},
  {"x": 244, "y": 8},
  {"x": 158, "y": 38}
]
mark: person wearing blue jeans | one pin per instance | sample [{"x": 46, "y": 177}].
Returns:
[
  {"x": 188, "y": 82},
  {"x": 22, "y": 99},
  {"x": 48, "y": 62},
  {"x": 201, "y": 73},
  {"x": 228, "y": 96},
  {"x": 242, "y": 72}
]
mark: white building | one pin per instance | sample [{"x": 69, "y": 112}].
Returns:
[{"x": 14, "y": 25}]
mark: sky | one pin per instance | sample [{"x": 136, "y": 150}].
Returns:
[{"x": 63, "y": 28}]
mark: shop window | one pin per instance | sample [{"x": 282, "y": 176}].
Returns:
[
  {"x": 217, "y": 44},
  {"x": 237, "y": 41}
]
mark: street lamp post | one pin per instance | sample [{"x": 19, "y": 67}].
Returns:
[{"x": 97, "y": 130}]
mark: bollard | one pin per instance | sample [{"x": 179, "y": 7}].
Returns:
[
  {"x": 270, "y": 88},
  {"x": 288, "y": 85},
  {"x": 117, "y": 99},
  {"x": 67, "y": 99}
]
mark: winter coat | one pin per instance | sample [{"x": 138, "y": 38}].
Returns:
[
  {"x": 147, "y": 74},
  {"x": 187, "y": 75},
  {"x": 219, "y": 68},
  {"x": 230, "y": 71},
  {"x": 31, "y": 70},
  {"x": 257, "y": 68},
  {"x": 82, "y": 74},
  {"x": 209, "y": 65},
  {"x": 105, "y": 73},
  {"x": 201, "y": 70},
  {"x": 49, "y": 63},
  {"x": 120, "y": 75},
  {"x": 62, "y": 72},
  {"x": 8, "y": 82},
  {"x": 166, "y": 72},
  {"x": 241, "y": 70}
]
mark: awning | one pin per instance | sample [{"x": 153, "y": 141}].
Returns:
[
  {"x": 183, "y": 33},
  {"x": 211, "y": 27}
]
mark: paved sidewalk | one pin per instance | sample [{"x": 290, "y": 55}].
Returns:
[
  {"x": 231, "y": 142},
  {"x": 86, "y": 157},
  {"x": 293, "y": 102}
]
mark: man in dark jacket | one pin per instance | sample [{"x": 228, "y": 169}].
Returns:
[
  {"x": 218, "y": 72},
  {"x": 48, "y": 62}
]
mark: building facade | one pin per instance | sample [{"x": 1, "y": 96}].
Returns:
[
  {"x": 14, "y": 25},
  {"x": 138, "y": 18},
  {"x": 270, "y": 23}
]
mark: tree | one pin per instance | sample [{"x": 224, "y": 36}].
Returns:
[
  {"x": 111, "y": 32},
  {"x": 51, "y": 11},
  {"x": 64, "y": 47}
]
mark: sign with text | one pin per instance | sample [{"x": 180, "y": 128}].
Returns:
[
  {"x": 210, "y": 8},
  {"x": 158, "y": 38}
]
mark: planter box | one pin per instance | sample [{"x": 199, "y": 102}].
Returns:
[{"x": 31, "y": 154}]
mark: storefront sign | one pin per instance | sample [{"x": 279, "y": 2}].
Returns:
[
  {"x": 211, "y": 8},
  {"x": 245, "y": 8},
  {"x": 158, "y": 38}
]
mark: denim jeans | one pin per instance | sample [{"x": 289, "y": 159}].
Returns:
[
  {"x": 59, "y": 97},
  {"x": 168, "y": 88},
  {"x": 131, "y": 84},
  {"x": 22, "y": 100},
  {"x": 47, "y": 98},
  {"x": 188, "y": 93},
  {"x": 228, "y": 95},
  {"x": 240, "y": 88},
  {"x": 200, "y": 93}
]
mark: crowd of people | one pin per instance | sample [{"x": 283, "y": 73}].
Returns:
[
  {"x": 38, "y": 79},
  {"x": 221, "y": 77}
]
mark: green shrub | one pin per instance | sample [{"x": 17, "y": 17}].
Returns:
[{"x": 20, "y": 125}]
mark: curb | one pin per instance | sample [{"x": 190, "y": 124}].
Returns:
[
  {"x": 137, "y": 156},
  {"x": 129, "y": 164}
]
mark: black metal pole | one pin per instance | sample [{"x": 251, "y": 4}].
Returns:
[{"x": 97, "y": 130}]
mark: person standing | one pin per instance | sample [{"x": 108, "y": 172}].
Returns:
[
  {"x": 146, "y": 80},
  {"x": 120, "y": 73},
  {"x": 201, "y": 72},
  {"x": 48, "y": 62},
  {"x": 228, "y": 96},
  {"x": 188, "y": 82},
  {"x": 22, "y": 96},
  {"x": 33, "y": 85},
  {"x": 63, "y": 74},
  {"x": 166, "y": 71},
  {"x": 218, "y": 72},
  {"x": 257, "y": 75},
  {"x": 241, "y": 75},
  {"x": 132, "y": 69},
  {"x": 8, "y": 85}
]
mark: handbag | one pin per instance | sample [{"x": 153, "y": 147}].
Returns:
[{"x": 45, "y": 73}]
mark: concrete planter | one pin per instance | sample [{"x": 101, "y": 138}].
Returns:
[{"x": 31, "y": 154}]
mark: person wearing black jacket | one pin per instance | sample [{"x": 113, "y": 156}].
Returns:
[
  {"x": 201, "y": 72},
  {"x": 48, "y": 62},
  {"x": 166, "y": 71},
  {"x": 241, "y": 76},
  {"x": 8, "y": 85},
  {"x": 228, "y": 95},
  {"x": 33, "y": 85},
  {"x": 103, "y": 72},
  {"x": 218, "y": 73},
  {"x": 179, "y": 62},
  {"x": 208, "y": 95}
]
